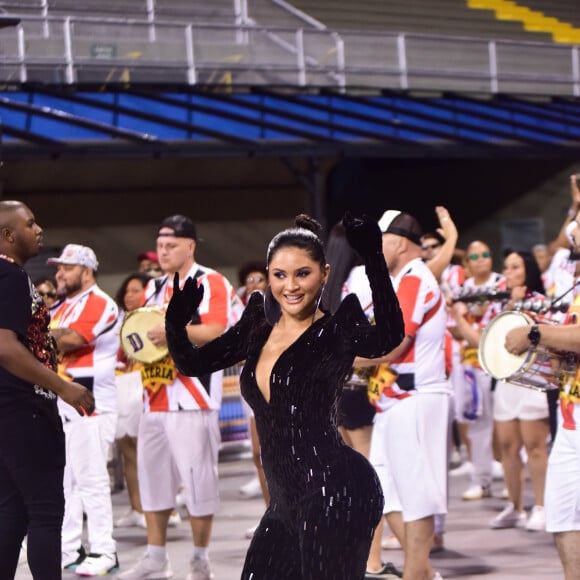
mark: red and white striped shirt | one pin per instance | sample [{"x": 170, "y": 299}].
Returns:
[
  {"x": 94, "y": 315},
  {"x": 190, "y": 393}
]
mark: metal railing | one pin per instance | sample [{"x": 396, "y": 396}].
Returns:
[{"x": 74, "y": 50}]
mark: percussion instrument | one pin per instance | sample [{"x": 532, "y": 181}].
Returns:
[
  {"x": 541, "y": 306},
  {"x": 481, "y": 295},
  {"x": 133, "y": 335},
  {"x": 538, "y": 368}
]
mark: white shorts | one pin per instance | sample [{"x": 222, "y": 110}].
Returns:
[
  {"x": 179, "y": 448},
  {"x": 562, "y": 496},
  {"x": 129, "y": 403},
  {"x": 512, "y": 402},
  {"x": 409, "y": 454}
]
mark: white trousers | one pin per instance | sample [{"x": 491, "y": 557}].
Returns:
[
  {"x": 87, "y": 486},
  {"x": 480, "y": 432}
]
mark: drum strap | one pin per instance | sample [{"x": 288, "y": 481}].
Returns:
[{"x": 159, "y": 284}]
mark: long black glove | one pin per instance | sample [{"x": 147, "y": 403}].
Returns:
[
  {"x": 364, "y": 235},
  {"x": 184, "y": 303}
]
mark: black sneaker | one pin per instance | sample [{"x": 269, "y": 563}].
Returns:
[
  {"x": 388, "y": 570},
  {"x": 81, "y": 556}
]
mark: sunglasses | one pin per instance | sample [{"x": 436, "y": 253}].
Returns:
[
  {"x": 430, "y": 246},
  {"x": 48, "y": 294},
  {"x": 474, "y": 257},
  {"x": 254, "y": 280}
]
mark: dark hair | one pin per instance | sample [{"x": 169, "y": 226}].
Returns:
[
  {"x": 249, "y": 267},
  {"x": 44, "y": 280},
  {"x": 435, "y": 236},
  {"x": 303, "y": 235},
  {"x": 120, "y": 295},
  {"x": 342, "y": 259},
  {"x": 533, "y": 275}
]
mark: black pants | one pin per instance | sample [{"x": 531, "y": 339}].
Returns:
[{"x": 32, "y": 459}]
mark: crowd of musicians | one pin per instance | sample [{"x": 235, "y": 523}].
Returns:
[{"x": 486, "y": 376}]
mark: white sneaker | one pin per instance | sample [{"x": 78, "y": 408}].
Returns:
[
  {"x": 437, "y": 576},
  {"x": 179, "y": 500},
  {"x": 131, "y": 519},
  {"x": 537, "y": 520},
  {"x": 148, "y": 569},
  {"x": 174, "y": 520},
  {"x": 504, "y": 493},
  {"x": 390, "y": 543},
  {"x": 476, "y": 492},
  {"x": 70, "y": 561},
  {"x": 98, "y": 565},
  {"x": 496, "y": 470},
  {"x": 508, "y": 518},
  {"x": 251, "y": 489},
  {"x": 199, "y": 570},
  {"x": 455, "y": 458},
  {"x": 464, "y": 469}
]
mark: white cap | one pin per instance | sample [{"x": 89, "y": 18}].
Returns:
[
  {"x": 387, "y": 219},
  {"x": 76, "y": 255}
]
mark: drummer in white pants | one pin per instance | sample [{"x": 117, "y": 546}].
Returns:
[{"x": 85, "y": 326}]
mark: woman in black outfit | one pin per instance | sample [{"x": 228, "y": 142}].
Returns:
[{"x": 325, "y": 497}]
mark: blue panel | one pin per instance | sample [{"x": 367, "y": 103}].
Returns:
[
  {"x": 152, "y": 107},
  {"x": 325, "y": 116}
]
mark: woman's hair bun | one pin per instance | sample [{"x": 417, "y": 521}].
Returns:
[{"x": 308, "y": 223}]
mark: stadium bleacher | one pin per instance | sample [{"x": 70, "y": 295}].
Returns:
[
  {"x": 194, "y": 10},
  {"x": 446, "y": 17},
  {"x": 565, "y": 10}
]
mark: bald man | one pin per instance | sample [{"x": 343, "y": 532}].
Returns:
[{"x": 32, "y": 453}]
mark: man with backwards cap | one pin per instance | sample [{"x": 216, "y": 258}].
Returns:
[
  {"x": 84, "y": 325},
  {"x": 179, "y": 434},
  {"x": 409, "y": 441}
]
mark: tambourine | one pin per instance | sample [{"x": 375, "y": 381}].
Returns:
[{"x": 133, "y": 335}]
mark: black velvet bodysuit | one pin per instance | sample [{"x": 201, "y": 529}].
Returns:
[{"x": 326, "y": 499}]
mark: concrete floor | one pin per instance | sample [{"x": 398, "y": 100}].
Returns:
[{"x": 472, "y": 549}]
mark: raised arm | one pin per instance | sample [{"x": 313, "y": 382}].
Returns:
[
  {"x": 561, "y": 240},
  {"x": 222, "y": 352},
  {"x": 365, "y": 237},
  {"x": 448, "y": 230}
]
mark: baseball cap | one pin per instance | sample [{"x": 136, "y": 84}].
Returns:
[
  {"x": 182, "y": 227},
  {"x": 401, "y": 223},
  {"x": 76, "y": 255},
  {"x": 152, "y": 256}
]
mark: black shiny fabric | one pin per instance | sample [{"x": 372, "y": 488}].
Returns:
[{"x": 326, "y": 499}]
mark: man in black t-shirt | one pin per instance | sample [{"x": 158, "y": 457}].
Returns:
[{"x": 32, "y": 443}]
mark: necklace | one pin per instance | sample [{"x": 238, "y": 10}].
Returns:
[{"x": 7, "y": 258}]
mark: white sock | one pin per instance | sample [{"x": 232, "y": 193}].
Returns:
[
  {"x": 199, "y": 553},
  {"x": 157, "y": 553}
]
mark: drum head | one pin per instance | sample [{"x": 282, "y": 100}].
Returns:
[
  {"x": 134, "y": 339},
  {"x": 493, "y": 356}
]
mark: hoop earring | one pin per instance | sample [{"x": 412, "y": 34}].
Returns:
[
  {"x": 272, "y": 309},
  {"x": 318, "y": 302}
]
